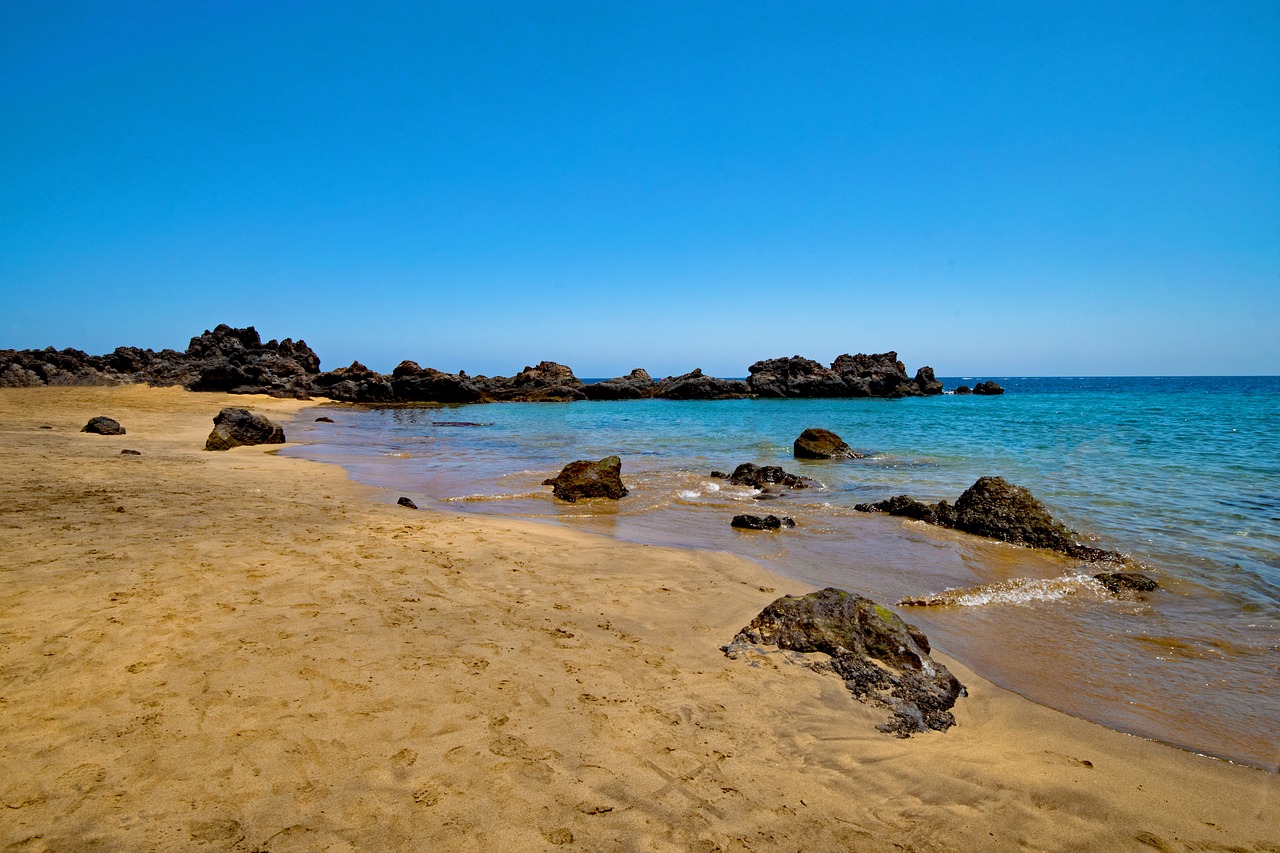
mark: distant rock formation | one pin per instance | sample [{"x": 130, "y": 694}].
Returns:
[
  {"x": 817, "y": 443},
  {"x": 236, "y": 360},
  {"x": 636, "y": 385},
  {"x": 696, "y": 386},
  {"x": 586, "y": 479},
  {"x": 997, "y": 509},
  {"x": 988, "y": 388},
  {"x": 883, "y": 660},
  {"x": 878, "y": 375}
]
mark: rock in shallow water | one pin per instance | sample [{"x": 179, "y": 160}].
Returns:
[
  {"x": 750, "y": 474},
  {"x": 883, "y": 660},
  {"x": 1124, "y": 582},
  {"x": 755, "y": 522},
  {"x": 815, "y": 443},
  {"x": 586, "y": 479}
]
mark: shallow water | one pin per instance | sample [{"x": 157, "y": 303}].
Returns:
[{"x": 1183, "y": 475}]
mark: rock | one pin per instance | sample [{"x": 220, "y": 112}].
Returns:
[
  {"x": 461, "y": 423},
  {"x": 407, "y": 502},
  {"x": 816, "y": 443},
  {"x": 904, "y": 506},
  {"x": 997, "y": 509},
  {"x": 103, "y": 425},
  {"x": 46, "y": 426},
  {"x": 547, "y": 381},
  {"x": 636, "y": 385},
  {"x": 426, "y": 385},
  {"x": 749, "y": 474},
  {"x": 234, "y": 427},
  {"x": 883, "y": 660},
  {"x": 324, "y": 420},
  {"x": 697, "y": 386},
  {"x": 794, "y": 377},
  {"x": 962, "y": 389},
  {"x": 755, "y": 522},
  {"x": 1124, "y": 582},
  {"x": 927, "y": 383},
  {"x": 127, "y": 452},
  {"x": 585, "y": 479},
  {"x": 987, "y": 388}
]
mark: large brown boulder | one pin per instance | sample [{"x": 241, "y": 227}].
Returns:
[
  {"x": 234, "y": 427},
  {"x": 586, "y": 479},
  {"x": 883, "y": 660},
  {"x": 816, "y": 443},
  {"x": 102, "y": 425}
]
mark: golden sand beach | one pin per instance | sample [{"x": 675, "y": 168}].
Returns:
[{"x": 242, "y": 652}]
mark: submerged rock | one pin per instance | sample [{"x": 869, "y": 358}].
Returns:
[
  {"x": 994, "y": 508},
  {"x": 816, "y": 443},
  {"x": 883, "y": 660},
  {"x": 755, "y": 522},
  {"x": 585, "y": 479},
  {"x": 1124, "y": 582},
  {"x": 758, "y": 477},
  {"x": 233, "y": 427},
  {"x": 103, "y": 425}
]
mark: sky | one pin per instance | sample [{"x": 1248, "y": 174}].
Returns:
[{"x": 989, "y": 188}]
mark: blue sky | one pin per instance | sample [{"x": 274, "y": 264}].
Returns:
[{"x": 999, "y": 188}]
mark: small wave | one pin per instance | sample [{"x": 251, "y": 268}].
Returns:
[
  {"x": 688, "y": 494},
  {"x": 1015, "y": 591},
  {"x": 483, "y": 498}
]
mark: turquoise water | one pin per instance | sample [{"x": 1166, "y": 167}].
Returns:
[{"x": 1181, "y": 474}]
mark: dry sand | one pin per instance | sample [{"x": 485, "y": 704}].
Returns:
[{"x": 237, "y": 651}]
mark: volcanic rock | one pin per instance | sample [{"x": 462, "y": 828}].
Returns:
[
  {"x": 988, "y": 388},
  {"x": 962, "y": 389},
  {"x": 636, "y": 385},
  {"x": 128, "y": 452},
  {"x": 585, "y": 479},
  {"x": 1124, "y": 582},
  {"x": 883, "y": 660},
  {"x": 757, "y": 477},
  {"x": 233, "y": 427},
  {"x": 755, "y": 522},
  {"x": 697, "y": 386},
  {"x": 103, "y": 425},
  {"x": 997, "y": 509},
  {"x": 815, "y": 443},
  {"x": 406, "y": 502}
]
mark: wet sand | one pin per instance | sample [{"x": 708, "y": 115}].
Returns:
[{"x": 238, "y": 651}]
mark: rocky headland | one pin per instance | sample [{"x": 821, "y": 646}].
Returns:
[{"x": 237, "y": 361}]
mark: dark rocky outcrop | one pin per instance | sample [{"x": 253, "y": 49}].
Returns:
[
  {"x": 861, "y": 375},
  {"x": 324, "y": 420},
  {"x": 546, "y": 381},
  {"x": 407, "y": 502},
  {"x": 697, "y": 386},
  {"x": 103, "y": 425},
  {"x": 988, "y": 388},
  {"x": 636, "y": 385},
  {"x": 128, "y": 452},
  {"x": 586, "y": 479},
  {"x": 962, "y": 389},
  {"x": 816, "y": 443},
  {"x": 755, "y": 522},
  {"x": 233, "y": 427},
  {"x": 883, "y": 660},
  {"x": 997, "y": 509},
  {"x": 758, "y": 477},
  {"x": 1122, "y": 583}
]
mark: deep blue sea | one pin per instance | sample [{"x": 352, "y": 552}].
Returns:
[{"x": 1182, "y": 474}]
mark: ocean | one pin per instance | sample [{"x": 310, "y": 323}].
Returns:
[{"x": 1181, "y": 474}]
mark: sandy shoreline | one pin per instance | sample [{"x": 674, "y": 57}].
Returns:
[{"x": 238, "y": 651}]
